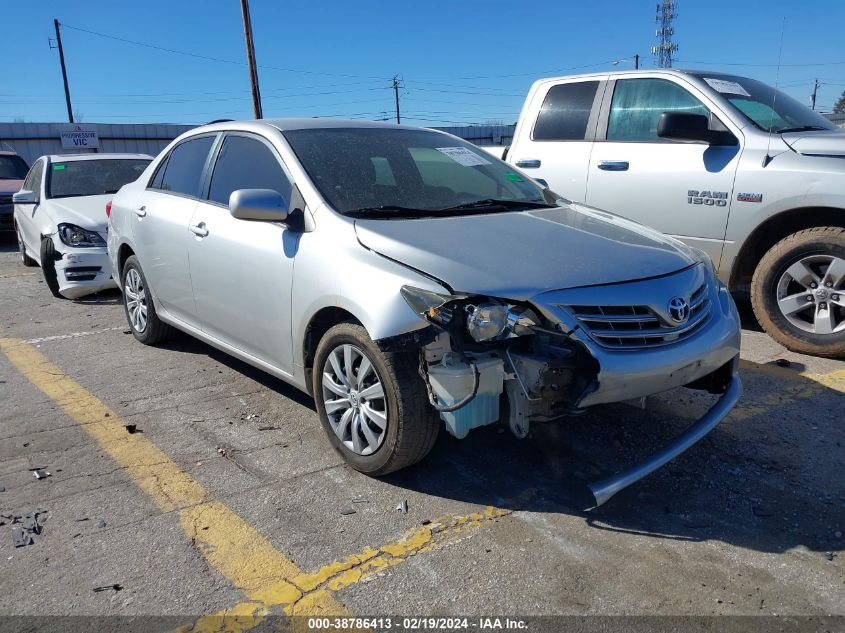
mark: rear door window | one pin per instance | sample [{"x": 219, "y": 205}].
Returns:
[
  {"x": 246, "y": 163},
  {"x": 638, "y": 103},
  {"x": 183, "y": 173},
  {"x": 565, "y": 112}
]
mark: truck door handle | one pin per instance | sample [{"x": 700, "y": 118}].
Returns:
[
  {"x": 199, "y": 229},
  {"x": 613, "y": 165},
  {"x": 528, "y": 163},
  {"x": 141, "y": 212}
]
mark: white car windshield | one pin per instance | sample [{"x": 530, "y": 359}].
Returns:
[
  {"x": 400, "y": 172},
  {"x": 92, "y": 177}
]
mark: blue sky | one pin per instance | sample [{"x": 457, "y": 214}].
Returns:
[{"x": 461, "y": 62}]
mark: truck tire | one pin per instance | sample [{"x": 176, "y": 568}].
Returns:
[
  {"x": 48, "y": 267},
  {"x": 377, "y": 433},
  {"x": 139, "y": 306},
  {"x": 798, "y": 292}
]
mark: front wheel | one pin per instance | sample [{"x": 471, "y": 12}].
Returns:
[
  {"x": 372, "y": 405},
  {"x": 798, "y": 292},
  {"x": 48, "y": 267}
]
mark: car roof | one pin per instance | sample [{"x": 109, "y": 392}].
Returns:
[
  {"x": 680, "y": 72},
  {"x": 286, "y": 124},
  {"x": 64, "y": 158}
]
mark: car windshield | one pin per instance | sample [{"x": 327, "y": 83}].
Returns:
[
  {"x": 12, "y": 167},
  {"x": 92, "y": 177},
  {"x": 769, "y": 109},
  {"x": 396, "y": 172}
]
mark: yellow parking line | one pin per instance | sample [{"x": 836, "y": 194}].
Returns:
[{"x": 229, "y": 544}]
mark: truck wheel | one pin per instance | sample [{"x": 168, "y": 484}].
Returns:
[
  {"x": 373, "y": 405},
  {"x": 139, "y": 307},
  {"x": 798, "y": 292},
  {"x": 48, "y": 267}
]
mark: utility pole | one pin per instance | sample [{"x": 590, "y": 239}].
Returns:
[
  {"x": 665, "y": 47},
  {"x": 637, "y": 61},
  {"x": 250, "y": 57},
  {"x": 64, "y": 70},
  {"x": 396, "y": 87},
  {"x": 815, "y": 90}
]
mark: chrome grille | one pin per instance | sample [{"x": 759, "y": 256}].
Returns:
[{"x": 636, "y": 327}]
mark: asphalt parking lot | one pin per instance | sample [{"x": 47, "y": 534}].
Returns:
[{"x": 227, "y": 497}]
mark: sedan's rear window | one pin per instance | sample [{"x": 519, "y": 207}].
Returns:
[
  {"x": 12, "y": 167},
  {"x": 92, "y": 177}
]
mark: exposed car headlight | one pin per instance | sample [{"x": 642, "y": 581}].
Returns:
[
  {"x": 485, "y": 319},
  {"x": 72, "y": 235}
]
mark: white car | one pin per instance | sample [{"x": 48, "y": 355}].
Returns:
[{"x": 60, "y": 218}]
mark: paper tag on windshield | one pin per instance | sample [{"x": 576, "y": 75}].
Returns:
[
  {"x": 726, "y": 87},
  {"x": 463, "y": 156}
]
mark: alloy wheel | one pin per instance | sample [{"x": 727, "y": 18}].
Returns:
[
  {"x": 354, "y": 399},
  {"x": 811, "y": 294},
  {"x": 136, "y": 300}
]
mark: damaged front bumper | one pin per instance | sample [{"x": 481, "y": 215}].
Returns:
[{"x": 82, "y": 272}]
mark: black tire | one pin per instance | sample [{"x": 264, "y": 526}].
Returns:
[
  {"x": 48, "y": 266},
  {"x": 412, "y": 425},
  {"x": 154, "y": 330},
  {"x": 823, "y": 241},
  {"x": 26, "y": 260}
]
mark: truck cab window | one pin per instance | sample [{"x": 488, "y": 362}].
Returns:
[
  {"x": 638, "y": 103},
  {"x": 565, "y": 112}
]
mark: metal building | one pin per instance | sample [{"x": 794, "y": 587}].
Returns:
[{"x": 32, "y": 140}]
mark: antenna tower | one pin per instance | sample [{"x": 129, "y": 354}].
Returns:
[{"x": 665, "y": 47}]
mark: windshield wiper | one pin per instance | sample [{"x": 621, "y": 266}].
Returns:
[
  {"x": 493, "y": 203},
  {"x": 388, "y": 210},
  {"x": 802, "y": 128}
]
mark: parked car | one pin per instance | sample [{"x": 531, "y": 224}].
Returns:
[
  {"x": 397, "y": 274},
  {"x": 60, "y": 218},
  {"x": 13, "y": 170},
  {"x": 724, "y": 163}
]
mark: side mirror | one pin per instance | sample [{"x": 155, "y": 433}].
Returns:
[
  {"x": 685, "y": 126},
  {"x": 24, "y": 196},
  {"x": 263, "y": 205}
]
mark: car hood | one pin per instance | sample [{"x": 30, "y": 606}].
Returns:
[
  {"x": 87, "y": 212},
  {"x": 10, "y": 185},
  {"x": 517, "y": 255},
  {"x": 827, "y": 143}
]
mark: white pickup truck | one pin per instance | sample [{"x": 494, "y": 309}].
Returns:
[{"x": 726, "y": 164}]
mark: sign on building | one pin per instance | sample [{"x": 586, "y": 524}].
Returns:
[{"x": 79, "y": 137}]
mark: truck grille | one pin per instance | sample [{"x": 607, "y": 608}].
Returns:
[{"x": 637, "y": 327}]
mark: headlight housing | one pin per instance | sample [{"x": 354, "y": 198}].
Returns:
[
  {"x": 482, "y": 318},
  {"x": 77, "y": 237}
]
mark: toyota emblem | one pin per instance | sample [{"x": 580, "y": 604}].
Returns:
[{"x": 678, "y": 309}]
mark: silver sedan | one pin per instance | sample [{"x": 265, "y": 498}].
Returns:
[{"x": 408, "y": 282}]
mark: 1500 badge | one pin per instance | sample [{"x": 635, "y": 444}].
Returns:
[{"x": 709, "y": 198}]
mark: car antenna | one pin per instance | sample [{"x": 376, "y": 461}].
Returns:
[{"x": 767, "y": 158}]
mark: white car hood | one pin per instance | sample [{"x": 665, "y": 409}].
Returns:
[
  {"x": 87, "y": 212},
  {"x": 827, "y": 143}
]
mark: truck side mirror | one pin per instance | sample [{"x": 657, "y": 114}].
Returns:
[{"x": 685, "y": 126}]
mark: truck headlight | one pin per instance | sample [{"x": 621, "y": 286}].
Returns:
[
  {"x": 72, "y": 235},
  {"x": 486, "y": 319}
]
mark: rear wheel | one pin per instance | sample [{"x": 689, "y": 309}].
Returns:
[
  {"x": 372, "y": 405},
  {"x": 798, "y": 292},
  {"x": 26, "y": 260},
  {"x": 139, "y": 307},
  {"x": 48, "y": 267}
]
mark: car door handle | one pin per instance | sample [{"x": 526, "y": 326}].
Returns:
[
  {"x": 199, "y": 229},
  {"x": 141, "y": 211},
  {"x": 528, "y": 163},
  {"x": 613, "y": 165}
]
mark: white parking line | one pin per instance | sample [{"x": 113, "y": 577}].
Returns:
[{"x": 61, "y": 337}]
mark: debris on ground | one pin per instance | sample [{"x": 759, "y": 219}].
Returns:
[
  {"x": 114, "y": 587},
  {"x": 403, "y": 507},
  {"x": 360, "y": 500},
  {"x": 348, "y": 511},
  {"x": 31, "y": 524},
  {"x": 131, "y": 428},
  {"x": 269, "y": 428},
  {"x": 2, "y": 489},
  {"x": 101, "y": 523},
  {"x": 39, "y": 473},
  {"x": 221, "y": 450},
  {"x": 20, "y": 537}
]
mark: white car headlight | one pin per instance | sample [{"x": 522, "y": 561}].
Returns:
[
  {"x": 486, "y": 321},
  {"x": 72, "y": 235}
]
